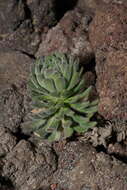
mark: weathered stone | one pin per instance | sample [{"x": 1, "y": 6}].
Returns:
[
  {"x": 42, "y": 12},
  {"x": 11, "y": 109},
  {"x": 120, "y": 129},
  {"x": 68, "y": 36},
  {"x": 14, "y": 100},
  {"x": 24, "y": 39},
  {"x": 7, "y": 141},
  {"x": 90, "y": 5},
  {"x": 93, "y": 5},
  {"x": 12, "y": 13},
  {"x": 109, "y": 27},
  {"x": 108, "y": 37},
  {"x": 29, "y": 167},
  {"x": 118, "y": 150},
  {"x": 14, "y": 68},
  {"x": 111, "y": 85},
  {"x": 98, "y": 136},
  {"x": 80, "y": 166}
]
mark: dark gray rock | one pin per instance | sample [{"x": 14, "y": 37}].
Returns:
[
  {"x": 14, "y": 100},
  {"x": 7, "y": 141},
  {"x": 11, "y": 109},
  {"x": 24, "y": 39},
  {"x": 42, "y": 12},
  {"x": 12, "y": 14},
  {"x": 29, "y": 168}
]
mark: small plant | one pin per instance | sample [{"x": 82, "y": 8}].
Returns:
[{"x": 60, "y": 99}]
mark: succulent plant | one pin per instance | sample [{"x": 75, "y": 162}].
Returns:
[{"x": 60, "y": 98}]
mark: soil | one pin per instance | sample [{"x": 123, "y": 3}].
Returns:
[{"x": 95, "y": 31}]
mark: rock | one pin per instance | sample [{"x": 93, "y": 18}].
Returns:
[
  {"x": 11, "y": 109},
  {"x": 120, "y": 129},
  {"x": 14, "y": 69},
  {"x": 42, "y": 12},
  {"x": 12, "y": 14},
  {"x": 98, "y": 136},
  {"x": 7, "y": 141},
  {"x": 107, "y": 34},
  {"x": 118, "y": 150},
  {"x": 80, "y": 166},
  {"x": 124, "y": 2},
  {"x": 90, "y": 5},
  {"x": 24, "y": 40},
  {"x": 108, "y": 28},
  {"x": 29, "y": 167},
  {"x": 84, "y": 187},
  {"x": 93, "y": 5},
  {"x": 22, "y": 22},
  {"x": 14, "y": 99},
  {"x": 111, "y": 86},
  {"x": 69, "y": 36}
]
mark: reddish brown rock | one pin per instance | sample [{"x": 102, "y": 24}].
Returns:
[
  {"x": 112, "y": 86},
  {"x": 93, "y": 5},
  {"x": 108, "y": 35},
  {"x": 69, "y": 36},
  {"x": 109, "y": 28}
]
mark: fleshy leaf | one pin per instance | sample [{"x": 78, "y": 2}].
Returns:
[
  {"x": 60, "y": 83},
  {"x": 68, "y": 131},
  {"x": 55, "y": 136},
  {"x": 37, "y": 123},
  {"x": 75, "y": 98},
  {"x": 80, "y": 107},
  {"x": 82, "y": 129}
]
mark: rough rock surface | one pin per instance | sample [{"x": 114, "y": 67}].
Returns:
[
  {"x": 93, "y": 5},
  {"x": 81, "y": 167},
  {"x": 29, "y": 167},
  {"x": 22, "y": 22},
  {"x": 42, "y": 12},
  {"x": 111, "y": 85},
  {"x": 109, "y": 40},
  {"x": 69, "y": 36},
  {"x": 90, "y": 5},
  {"x": 7, "y": 141},
  {"x": 120, "y": 128},
  {"x": 12, "y": 14},
  {"x": 14, "y": 68},
  {"x": 24, "y": 39},
  {"x": 14, "y": 72},
  {"x": 108, "y": 28},
  {"x": 11, "y": 109}
]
